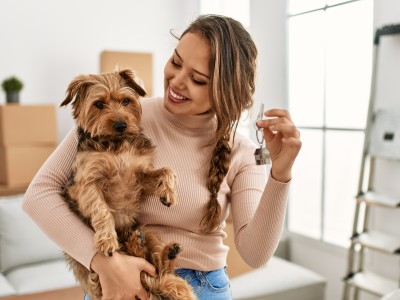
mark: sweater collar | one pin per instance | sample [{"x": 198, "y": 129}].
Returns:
[{"x": 204, "y": 121}]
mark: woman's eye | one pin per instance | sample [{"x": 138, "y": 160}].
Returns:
[
  {"x": 175, "y": 63},
  {"x": 125, "y": 102},
  {"x": 99, "y": 104},
  {"x": 198, "y": 82}
]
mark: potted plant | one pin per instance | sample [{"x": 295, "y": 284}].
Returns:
[{"x": 12, "y": 86}]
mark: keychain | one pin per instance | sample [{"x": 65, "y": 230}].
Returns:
[{"x": 261, "y": 154}]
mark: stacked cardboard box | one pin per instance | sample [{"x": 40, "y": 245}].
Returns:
[{"x": 28, "y": 135}]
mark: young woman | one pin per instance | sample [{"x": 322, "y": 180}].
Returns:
[{"x": 209, "y": 81}]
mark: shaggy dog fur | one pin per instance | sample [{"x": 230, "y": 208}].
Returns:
[{"x": 112, "y": 176}]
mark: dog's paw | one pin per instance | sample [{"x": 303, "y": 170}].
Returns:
[
  {"x": 139, "y": 235},
  {"x": 173, "y": 251},
  {"x": 167, "y": 196},
  {"x": 106, "y": 246},
  {"x": 167, "y": 200},
  {"x": 166, "y": 188}
]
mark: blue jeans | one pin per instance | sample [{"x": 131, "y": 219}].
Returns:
[{"x": 213, "y": 285}]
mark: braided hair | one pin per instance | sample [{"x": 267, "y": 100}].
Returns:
[{"x": 232, "y": 84}]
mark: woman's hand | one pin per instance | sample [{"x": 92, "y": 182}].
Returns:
[
  {"x": 282, "y": 140},
  {"x": 120, "y": 276}
]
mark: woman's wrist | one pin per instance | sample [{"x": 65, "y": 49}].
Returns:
[
  {"x": 98, "y": 262},
  {"x": 283, "y": 177}
]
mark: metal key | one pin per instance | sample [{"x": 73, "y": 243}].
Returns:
[{"x": 261, "y": 154}]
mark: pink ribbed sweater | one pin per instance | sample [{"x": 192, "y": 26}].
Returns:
[{"x": 257, "y": 205}]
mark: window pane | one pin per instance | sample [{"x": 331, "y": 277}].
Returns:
[
  {"x": 304, "y": 211},
  {"x": 343, "y": 162},
  {"x": 298, "y": 6},
  {"x": 306, "y": 68},
  {"x": 348, "y": 64}
]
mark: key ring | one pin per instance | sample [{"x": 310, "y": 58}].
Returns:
[
  {"x": 259, "y": 116},
  {"x": 261, "y": 154},
  {"x": 262, "y": 136},
  {"x": 258, "y": 129}
]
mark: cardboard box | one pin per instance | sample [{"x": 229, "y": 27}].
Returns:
[
  {"x": 27, "y": 125},
  {"x": 19, "y": 164},
  {"x": 142, "y": 63}
]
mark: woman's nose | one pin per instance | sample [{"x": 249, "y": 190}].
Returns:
[{"x": 179, "y": 80}]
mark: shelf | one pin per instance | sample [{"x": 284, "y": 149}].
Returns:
[
  {"x": 374, "y": 198},
  {"x": 373, "y": 283},
  {"x": 379, "y": 241}
]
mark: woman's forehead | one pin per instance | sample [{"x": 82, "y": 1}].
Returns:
[{"x": 194, "y": 49}]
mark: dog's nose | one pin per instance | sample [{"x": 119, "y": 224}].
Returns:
[{"x": 120, "y": 126}]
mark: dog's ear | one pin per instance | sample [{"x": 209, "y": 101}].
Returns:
[
  {"x": 76, "y": 88},
  {"x": 130, "y": 78},
  {"x": 76, "y": 92}
]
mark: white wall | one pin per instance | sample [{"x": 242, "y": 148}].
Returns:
[
  {"x": 268, "y": 28},
  {"x": 46, "y": 43}
]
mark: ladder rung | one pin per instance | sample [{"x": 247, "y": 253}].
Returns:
[
  {"x": 373, "y": 283},
  {"x": 374, "y": 198},
  {"x": 379, "y": 241}
]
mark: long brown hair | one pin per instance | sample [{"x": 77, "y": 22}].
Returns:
[{"x": 232, "y": 85}]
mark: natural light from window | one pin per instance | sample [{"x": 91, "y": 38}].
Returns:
[{"x": 329, "y": 74}]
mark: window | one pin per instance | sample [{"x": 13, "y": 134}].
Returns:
[{"x": 330, "y": 46}]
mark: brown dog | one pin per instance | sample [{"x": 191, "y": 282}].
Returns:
[{"x": 112, "y": 175}]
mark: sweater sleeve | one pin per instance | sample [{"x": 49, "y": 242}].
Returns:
[
  {"x": 44, "y": 204},
  {"x": 258, "y": 207}
]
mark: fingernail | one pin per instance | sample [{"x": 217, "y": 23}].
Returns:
[{"x": 272, "y": 128}]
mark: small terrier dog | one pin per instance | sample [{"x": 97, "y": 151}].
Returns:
[{"x": 112, "y": 175}]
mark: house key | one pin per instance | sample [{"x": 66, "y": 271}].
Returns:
[{"x": 261, "y": 154}]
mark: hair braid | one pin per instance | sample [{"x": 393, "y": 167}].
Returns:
[
  {"x": 219, "y": 167},
  {"x": 232, "y": 84}
]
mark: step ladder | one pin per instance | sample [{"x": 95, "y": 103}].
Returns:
[{"x": 382, "y": 141}]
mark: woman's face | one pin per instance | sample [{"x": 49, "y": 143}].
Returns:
[{"x": 187, "y": 77}]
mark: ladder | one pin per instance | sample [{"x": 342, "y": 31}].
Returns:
[{"x": 382, "y": 141}]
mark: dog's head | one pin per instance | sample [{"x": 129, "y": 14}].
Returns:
[{"x": 106, "y": 104}]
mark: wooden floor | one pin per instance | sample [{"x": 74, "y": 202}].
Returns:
[{"x": 74, "y": 293}]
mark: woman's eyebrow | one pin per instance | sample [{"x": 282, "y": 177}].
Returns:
[{"x": 194, "y": 70}]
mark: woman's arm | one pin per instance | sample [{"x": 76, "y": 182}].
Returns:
[
  {"x": 258, "y": 210},
  {"x": 44, "y": 204},
  {"x": 258, "y": 214}
]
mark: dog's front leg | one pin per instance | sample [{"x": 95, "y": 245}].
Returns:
[
  {"x": 93, "y": 206},
  {"x": 160, "y": 182}
]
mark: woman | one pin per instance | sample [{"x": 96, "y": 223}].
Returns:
[{"x": 209, "y": 81}]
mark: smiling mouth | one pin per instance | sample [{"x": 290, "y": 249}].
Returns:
[{"x": 176, "y": 98}]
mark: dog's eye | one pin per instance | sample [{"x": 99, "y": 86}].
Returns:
[
  {"x": 99, "y": 104},
  {"x": 125, "y": 102}
]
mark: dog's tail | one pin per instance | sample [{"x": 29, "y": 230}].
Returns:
[{"x": 168, "y": 287}]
